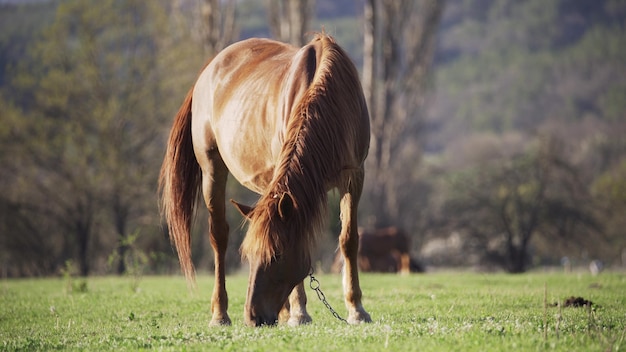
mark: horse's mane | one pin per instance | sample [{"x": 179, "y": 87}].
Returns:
[{"x": 317, "y": 143}]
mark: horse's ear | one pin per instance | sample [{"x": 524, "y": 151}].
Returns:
[
  {"x": 245, "y": 210},
  {"x": 285, "y": 206}
]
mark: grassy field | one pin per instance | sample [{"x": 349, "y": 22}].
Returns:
[{"x": 431, "y": 312}]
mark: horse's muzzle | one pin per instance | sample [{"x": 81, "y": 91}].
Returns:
[
  {"x": 259, "y": 316},
  {"x": 257, "y": 321}
]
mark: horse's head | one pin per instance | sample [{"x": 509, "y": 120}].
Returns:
[
  {"x": 279, "y": 258},
  {"x": 269, "y": 286}
]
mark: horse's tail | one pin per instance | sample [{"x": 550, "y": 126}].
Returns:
[{"x": 179, "y": 184}]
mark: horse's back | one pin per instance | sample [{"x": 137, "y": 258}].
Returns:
[
  {"x": 384, "y": 240},
  {"x": 235, "y": 108},
  {"x": 243, "y": 101}
]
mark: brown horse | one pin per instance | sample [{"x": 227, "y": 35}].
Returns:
[
  {"x": 382, "y": 250},
  {"x": 289, "y": 124}
]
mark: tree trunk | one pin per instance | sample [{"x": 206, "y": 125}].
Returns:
[
  {"x": 218, "y": 28},
  {"x": 398, "y": 48},
  {"x": 121, "y": 216},
  {"x": 517, "y": 260},
  {"x": 290, "y": 19},
  {"x": 83, "y": 234}
]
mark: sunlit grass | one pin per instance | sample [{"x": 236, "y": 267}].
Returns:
[{"x": 438, "y": 311}]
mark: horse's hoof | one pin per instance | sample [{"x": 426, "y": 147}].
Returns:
[
  {"x": 299, "y": 320},
  {"x": 223, "y": 321},
  {"x": 359, "y": 317}
]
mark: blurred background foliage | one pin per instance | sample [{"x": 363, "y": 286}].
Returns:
[{"x": 504, "y": 149}]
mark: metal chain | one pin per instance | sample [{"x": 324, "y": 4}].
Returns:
[{"x": 315, "y": 286}]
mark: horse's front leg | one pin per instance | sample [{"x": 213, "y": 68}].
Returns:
[
  {"x": 349, "y": 245},
  {"x": 214, "y": 188},
  {"x": 294, "y": 311}
]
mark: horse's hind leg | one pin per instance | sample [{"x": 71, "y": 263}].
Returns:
[
  {"x": 294, "y": 311},
  {"x": 349, "y": 244},
  {"x": 405, "y": 264},
  {"x": 214, "y": 175}
]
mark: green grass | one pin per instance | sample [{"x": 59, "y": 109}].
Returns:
[{"x": 436, "y": 311}]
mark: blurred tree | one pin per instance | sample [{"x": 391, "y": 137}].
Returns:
[
  {"x": 218, "y": 25},
  {"x": 211, "y": 23},
  {"x": 528, "y": 68},
  {"x": 609, "y": 190},
  {"x": 87, "y": 136},
  {"x": 289, "y": 20},
  {"x": 18, "y": 26},
  {"x": 398, "y": 50},
  {"x": 534, "y": 194}
]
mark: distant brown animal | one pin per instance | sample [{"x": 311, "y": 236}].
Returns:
[
  {"x": 290, "y": 124},
  {"x": 384, "y": 250}
]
